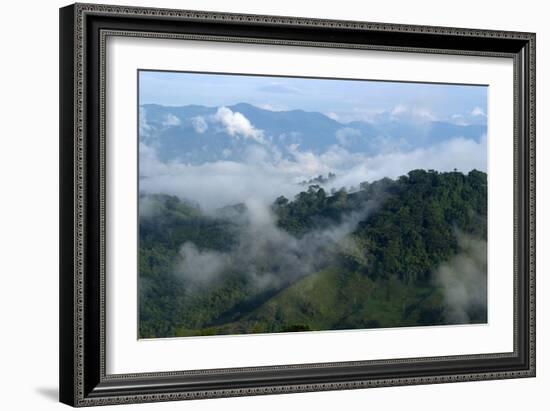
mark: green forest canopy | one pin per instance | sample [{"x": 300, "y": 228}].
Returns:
[{"x": 380, "y": 275}]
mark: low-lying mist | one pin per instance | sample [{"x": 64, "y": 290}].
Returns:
[
  {"x": 267, "y": 255},
  {"x": 264, "y": 173},
  {"x": 464, "y": 280}
]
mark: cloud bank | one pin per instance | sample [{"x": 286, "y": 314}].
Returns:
[
  {"x": 237, "y": 125},
  {"x": 265, "y": 174},
  {"x": 171, "y": 120}
]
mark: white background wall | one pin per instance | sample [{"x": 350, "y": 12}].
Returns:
[{"x": 29, "y": 204}]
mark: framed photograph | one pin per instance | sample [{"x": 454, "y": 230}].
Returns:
[{"x": 262, "y": 204}]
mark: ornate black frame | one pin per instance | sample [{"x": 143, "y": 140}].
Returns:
[{"x": 83, "y": 30}]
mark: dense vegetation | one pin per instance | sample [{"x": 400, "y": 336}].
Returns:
[{"x": 374, "y": 259}]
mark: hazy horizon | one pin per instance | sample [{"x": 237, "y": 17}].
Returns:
[{"x": 342, "y": 99}]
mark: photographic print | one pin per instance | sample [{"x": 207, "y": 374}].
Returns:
[
  {"x": 279, "y": 188},
  {"x": 271, "y": 204}
]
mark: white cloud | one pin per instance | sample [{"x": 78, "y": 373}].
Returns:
[
  {"x": 170, "y": 120},
  {"x": 464, "y": 279},
  {"x": 478, "y": 112},
  {"x": 144, "y": 127},
  {"x": 360, "y": 114},
  {"x": 280, "y": 87},
  {"x": 236, "y": 124},
  {"x": 332, "y": 115},
  {"x": 217, "y": 184},
  {"x": 399, "y": 109},
  {"x": 199, "y": 124},
  {"x": 148, "y": 207},
  {"x": 201, "y": 267},
  {"x": 401, "y": 112},
  {"x": 346, "y": 134},
  {"x": 460, "y": 153},
  {"x": 476, "y": 116},
  {"x": 459, "y": 119},
  {"x": 304, "y": 163},
  {"x": 272, "y": 107},
  {"x": 423, "y": 114},
  {"x": 149, "y": 164}
]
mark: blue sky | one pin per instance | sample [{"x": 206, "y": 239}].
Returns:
[{"x": 344, "y": 100}]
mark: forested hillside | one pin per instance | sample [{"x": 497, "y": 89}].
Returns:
[{"x": 410, "y": 251}]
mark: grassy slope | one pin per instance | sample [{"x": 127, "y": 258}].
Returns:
[{"x": 334, "y": 299}]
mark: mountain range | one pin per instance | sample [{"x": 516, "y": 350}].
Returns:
[{"x": 196, "y": 134}]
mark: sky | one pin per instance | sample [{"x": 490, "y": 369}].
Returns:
[{"x": 343, "y": 100}]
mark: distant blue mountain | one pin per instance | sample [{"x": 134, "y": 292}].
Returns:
[{"x": 193, "y": 134}]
